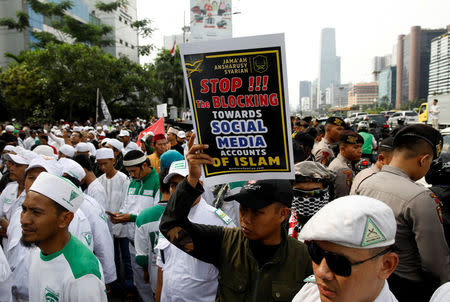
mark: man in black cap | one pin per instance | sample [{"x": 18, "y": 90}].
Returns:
[
  {"x": 384, "y": 157},
  {"x": 323, "y": 152},
  {"x": 420, "y": 241},
  {"x": 257, "y": 262},
  {"x": 350, "y": 150}
]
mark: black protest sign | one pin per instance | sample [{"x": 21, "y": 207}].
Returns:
[{"x": 240, "y": 111}]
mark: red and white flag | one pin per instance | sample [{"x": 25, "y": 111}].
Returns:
[
  {"x": 156, "y": 128},
  {"x": 172, "y": 51}
]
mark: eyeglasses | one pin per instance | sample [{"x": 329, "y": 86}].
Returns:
[{"x": 339, "y": 264}]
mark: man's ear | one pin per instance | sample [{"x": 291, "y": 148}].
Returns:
[
  {"x": 284, "y": 213},
  {"x": 388, "y": 265},
  {"x": 64, "y": 219},
  {"x": 423, "y": 159}
]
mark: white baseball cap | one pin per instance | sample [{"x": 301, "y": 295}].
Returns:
[
  {"x": 77, "y": 128},
  {"x": 181, "y": 134},
  {"x": 22, "y": 158},
  {"x": 10, "y": 148},
  {"x": 52, "y": 166},
  {"x": 67, "y": 150},
  {"x": 179, "y": 167},
  {"x": 353, "y": 221},
  {"x": 72, "y": 168},
  {"x": 59, "y": 189},
  {"x": 104, "y": 153}
]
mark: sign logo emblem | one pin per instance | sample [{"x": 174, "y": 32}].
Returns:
[
  {"x": 51, "y": 295},
  {"x": 260, "y": 64},
  {"x": 372, "y": 234}
]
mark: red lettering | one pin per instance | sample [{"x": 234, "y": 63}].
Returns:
[
  {"x": 273, "y": 99},
  {"x": 224, "y": 85},
  {"x": 232, "y": 101},
  {"x": 216, "y": 101},
  {"x": 224, "y": 104},
  {"x": 236, "y": 83},
  {"x": 265, "y": 82},
  {"x": 204, "y": 84},
  {"x": 248, "y": 100},
  {"x": 240, "y": 102},
  {"x": 214, "y": 85},
  {"x": 263, "y": 100}
]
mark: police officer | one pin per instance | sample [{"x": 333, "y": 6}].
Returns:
[
  {"x": 420, "y": 241},
  {"x": 384, "y": 158},
  {"x": 323, "y": 152},
  {"x": 350, "y": 144}
]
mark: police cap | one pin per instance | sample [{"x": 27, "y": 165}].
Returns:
[
  {"x": 350, "y": 137},
  {"x": 423, "y": 132},
  {"x": 337, "y": 121}
]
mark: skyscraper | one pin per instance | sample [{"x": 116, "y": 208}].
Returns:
[
  {"x": 413, "y": 62},
  {"x": 305, "y": 92},
  {"x": 330, "y": 64}
]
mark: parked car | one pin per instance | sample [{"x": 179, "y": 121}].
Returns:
[
  {"x": 410, "y": 117},
  {"x": 355, "y": 115},
  {"x": 388, "y": 113},
  {"x": 445, "y": 152}
]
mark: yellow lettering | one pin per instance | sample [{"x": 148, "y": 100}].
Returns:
[
  {"x": 274, "y": 161},
  {"x": 262, "y": 162}
]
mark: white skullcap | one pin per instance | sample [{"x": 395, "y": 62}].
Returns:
[
  {"x": 82, "y": 147},
  {"x": 58, "y": 133},
  {"x": 99, "y": 128},
  {"x": 52, "y": 166},
  {"x": 77, "y": 129},
  {"x": 179, "y": 167},
  {"x": 72, "y": 168},
  {"x": 442, "y": 294},
  {"x": 9, "y": 128},
  {"x": 172, "y": 130},
  {"x": 102, "y": 133},
  {"x": 115, "y": 143},
  {"x": 181, "y": 134},
  {"x": 353, "y": 221},
  {"x": 44, "y": 150},
  {"x": 124, "y": 133},
  {"x": 58, "y": 189},
  {"x": 9, "y": 148},
  {"x": 67, "y": 150},
  {"x": 86, "y": 128},
  {"x": 104, "y": 153}
]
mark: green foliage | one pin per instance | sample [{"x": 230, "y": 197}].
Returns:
[
  {"x": 110, "y": 7},
  {"x": 145, "y": 30},
  {"x": 66, "y": 88},
  {"x": 50, "y": 8},
  {"x": 20, "y": 25}
]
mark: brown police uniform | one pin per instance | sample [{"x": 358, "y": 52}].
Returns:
[
  {"x": 322, "y": 152},
  {"x": 344, "y": 175},
  {"x": 361, "y": 176}
]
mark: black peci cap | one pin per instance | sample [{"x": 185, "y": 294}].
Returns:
[
  {"x": 337, "y": 121},
  {"x": 261, "y": 193},
  {"x": 421, "y": 131}
]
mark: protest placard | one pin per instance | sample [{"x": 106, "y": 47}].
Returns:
[{"x": 238, "y": 94}]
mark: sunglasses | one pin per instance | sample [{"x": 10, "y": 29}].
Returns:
[{"x": 338, "y": 264}]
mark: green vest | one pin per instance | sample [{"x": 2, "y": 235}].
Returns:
[{"x": 367, "y": 146}]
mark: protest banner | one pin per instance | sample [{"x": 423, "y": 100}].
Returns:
[
  {"x": 238, "y": 94},
  {"x": 156, "y": 128}
]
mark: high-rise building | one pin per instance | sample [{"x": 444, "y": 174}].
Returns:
[
  {"x": 363, "y": 94},
  {"x": 413, "y": 61},
  {"x": 124, "y": 36},
  {"x": 314, "y": 98},
  {"x": 330, "y": 64},
  {"x": 378, "y": 64},
  {"x": 386, "y": 86},
  {"x": 305, "y": 91},
  {"x": 439, "y": 80}
]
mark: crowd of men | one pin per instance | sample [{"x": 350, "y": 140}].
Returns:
[{"x": 91, "y": 213}]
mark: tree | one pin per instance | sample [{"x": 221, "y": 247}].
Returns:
[
  {"x": 168, "y": 74},
  {"x": 67, "y": 87}
]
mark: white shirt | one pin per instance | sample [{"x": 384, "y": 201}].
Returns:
[
  {"x": 97, "y": 191},
  {"x": 434, "y": 111},
  {"x": 81, "y": 228},
  {"x": 442, "y": 294},
  {"x": 56, "y": 142},
  {"x": 9, "y": 202},
  {"x": 69, "y": 275},
  {"x": 116, "y": 189},
  {"x": 186, "y": 278},
  {"x": 129, "y": 147},
  {"x": 29, "y": 142},
  {"x": 310, "y": 293},
  {"x": 103, "y": 242},
  {"x": 6, "y": 279}
]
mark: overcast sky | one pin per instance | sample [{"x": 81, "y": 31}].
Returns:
[{"x": 364, "y": 29}]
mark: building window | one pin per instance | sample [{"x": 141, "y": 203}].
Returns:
[
  {"x": 121, "y": 42},
  {"x": 132, "y": 46},
  {"x": 126, "y": 44},
  {"x": 126, "y": 22},
  {"x": 120, "y": 18},
  {"x": 94, "y": 20}
]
